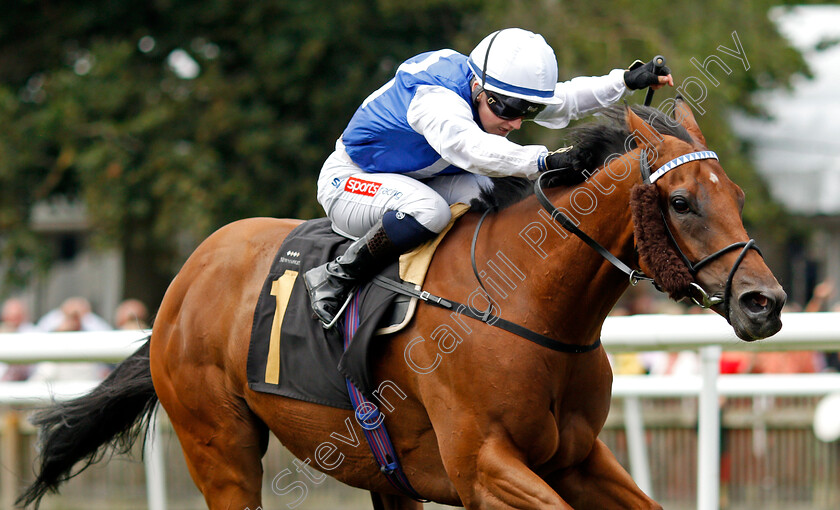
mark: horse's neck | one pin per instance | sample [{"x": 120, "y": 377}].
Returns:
[{"x": 574, "y": 287}]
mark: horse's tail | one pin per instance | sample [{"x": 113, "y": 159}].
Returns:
[{"x": 115, "y": 413}]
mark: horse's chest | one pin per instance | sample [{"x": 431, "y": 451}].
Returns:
[
  {"x": 575, "y": 438},
  {"x": 579, "y": 418}
]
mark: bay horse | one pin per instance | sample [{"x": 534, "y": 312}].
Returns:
[{"x": 479, "y": 417}]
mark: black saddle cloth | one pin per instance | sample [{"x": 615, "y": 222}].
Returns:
[{"x": 310, "y": 356}]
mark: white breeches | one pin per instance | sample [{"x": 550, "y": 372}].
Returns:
[{"x": 355, "y": 200}]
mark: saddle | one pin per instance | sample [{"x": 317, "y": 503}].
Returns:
[{"x": 290, "y": 353}]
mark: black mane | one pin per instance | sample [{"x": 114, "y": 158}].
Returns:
[{"x": 592, "y": 143}]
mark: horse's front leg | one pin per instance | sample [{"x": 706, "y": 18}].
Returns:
[
  {"x": 600, "y": 483},
  {"x": 496, "y": 477}
]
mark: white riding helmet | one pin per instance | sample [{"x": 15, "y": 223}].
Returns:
[{"x": 516, "y": 63}]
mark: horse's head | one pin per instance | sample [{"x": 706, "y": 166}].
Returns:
[{"x": 689, "y": 231}]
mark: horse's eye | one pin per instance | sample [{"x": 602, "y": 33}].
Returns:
[{"x": 680, "y": 205}]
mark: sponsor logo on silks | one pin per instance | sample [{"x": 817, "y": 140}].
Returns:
[
  {"x": 360, "y": 187},
  {"x": 336, "y": 182},
  {"x": 390, "y": 191}
]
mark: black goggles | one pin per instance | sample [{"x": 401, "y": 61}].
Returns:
[{"x": 512, "y": 108}]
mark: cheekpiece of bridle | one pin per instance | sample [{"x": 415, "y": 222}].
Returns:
[{"x": 695, "y": 291}]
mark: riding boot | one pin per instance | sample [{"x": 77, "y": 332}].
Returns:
[{"x": 329, "y": 285}]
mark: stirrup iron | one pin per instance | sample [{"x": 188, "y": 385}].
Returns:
[{"x": 338, "y": 314}]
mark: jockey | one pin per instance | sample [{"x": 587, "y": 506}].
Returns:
[{"x": 434, "y": 135}]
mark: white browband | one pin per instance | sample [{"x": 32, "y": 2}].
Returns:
[{"x": 681, "y": 160}]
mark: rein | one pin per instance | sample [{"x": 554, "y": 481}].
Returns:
[{"x": 634, "y": 275}]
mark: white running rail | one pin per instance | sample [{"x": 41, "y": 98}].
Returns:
[{"x": 707, "y": 333}]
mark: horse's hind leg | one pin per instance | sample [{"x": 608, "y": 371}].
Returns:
[
  {"x": 391, "y": 502},
  {"x": 223, "y": 442}
]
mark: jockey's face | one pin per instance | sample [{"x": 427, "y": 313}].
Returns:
[{"x": 493, "y": 124}]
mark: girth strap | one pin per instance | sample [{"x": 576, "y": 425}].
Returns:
[
  {"x": 487, "y": 318},
  {"x": 372, "y": 422}
]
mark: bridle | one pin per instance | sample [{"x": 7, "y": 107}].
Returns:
[
  {"x": 701, "y": 298},
  {"x": 696, "y": 292}
]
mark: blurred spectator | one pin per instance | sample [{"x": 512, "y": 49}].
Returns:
[
  {"x": 74, "y": 315},
  {"x": 790, "y": 362},
  {"x": 737, "y": 362},
  {"x": 819, "y": 302},
  {"x": 131, "y": 314},
  {"x": 821, "y": 297},
  {"x": 15, "y": 319},
  {"x": 70, "y": 309}
]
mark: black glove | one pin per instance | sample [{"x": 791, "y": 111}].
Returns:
[
  {"x": 641, "y": 75},
  {"x": 561, "y": 158},
  {"x": 566, "y": 162}
]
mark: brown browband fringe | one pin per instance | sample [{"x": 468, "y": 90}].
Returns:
[{"x": 656, "y": 252}]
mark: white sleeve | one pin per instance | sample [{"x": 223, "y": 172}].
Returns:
[
  {"x": 581, "y": 95},
  {"x": 446, "y": 121}
]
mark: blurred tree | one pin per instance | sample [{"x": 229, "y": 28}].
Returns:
[
  {"x": 169, "y": 119},
  {"x": 593, "y": 36}
]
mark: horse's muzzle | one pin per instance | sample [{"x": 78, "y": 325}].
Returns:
[{"x": 756, "y": 313}]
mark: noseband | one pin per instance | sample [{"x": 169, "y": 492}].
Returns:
[{"x": 696, "y": 292}]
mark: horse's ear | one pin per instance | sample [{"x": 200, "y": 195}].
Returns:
[
  {"x": 645, "y": 136},
  {"x": 683, "y": 114}
]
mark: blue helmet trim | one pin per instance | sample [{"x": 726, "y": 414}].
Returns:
[{"x": 489, "y": 80}]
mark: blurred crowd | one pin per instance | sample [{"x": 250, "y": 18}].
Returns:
[{"x": 74, "y": 314}]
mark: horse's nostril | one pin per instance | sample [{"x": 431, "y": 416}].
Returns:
[{"x": 756, "y": 302}]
